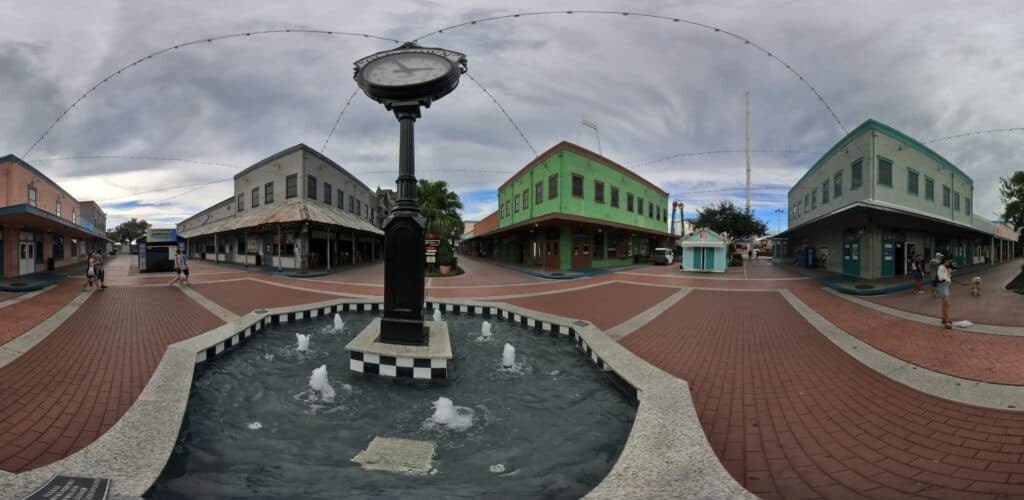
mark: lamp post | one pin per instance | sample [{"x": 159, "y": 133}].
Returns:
[{"x": 404, "y": 80}]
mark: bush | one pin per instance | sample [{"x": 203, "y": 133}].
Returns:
[
  {"x": 736, "y": 260},
  {"x": 445, "y": 256}
]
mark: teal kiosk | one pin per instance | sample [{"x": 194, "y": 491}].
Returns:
[{"x": 704, "y": 250}]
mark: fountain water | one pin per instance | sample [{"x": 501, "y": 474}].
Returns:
[
  {"x": 303, "y": 342},
  {"x": 339, "y": 323},
  {"x": 318, "y": 382},
  {"x": 508, "y": 356},
  {"x": 437, "y": 315},
  {"x": 457, "y": 418},
  {"x": 485, "y": 330}
]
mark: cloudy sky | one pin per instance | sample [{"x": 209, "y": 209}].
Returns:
[{"x": 655, "y": 88}]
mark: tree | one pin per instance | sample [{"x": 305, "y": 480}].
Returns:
[
  {"x": 130, "y": 230},
  {"x": 440, "y": 207},
  {"x": 1011, "y": 192},
  {"x": 726, "y": 218}
]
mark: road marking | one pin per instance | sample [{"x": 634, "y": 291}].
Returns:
[{"x": 218, "y": 311}]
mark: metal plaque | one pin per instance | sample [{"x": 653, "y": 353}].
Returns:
[{"x": 72, "y": 488}]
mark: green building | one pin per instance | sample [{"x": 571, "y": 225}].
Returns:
[{"x": 571, "y": 208}]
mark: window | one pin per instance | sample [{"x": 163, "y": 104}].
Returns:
[
  {"x": 359, "y": 207},
  {"x": 856, "y": 174},
  {"x": 912, "y": 181},
  {"x": 814, "y": 199},
  {"x": 553, "y": 186},
  {"x": 640, "y": 205},
  {"x": 807, "y": 202},
  {"x": 956, "y": 201},
  {"x": 598, "y": 192},
  {"x": 824, "y": 192},
  {"x": 508, "y": 208},
  {"x": 884, "y": 172},
  {"x": 255, "y": 197},
  {"x": 577, "y": 186},
  {"x": 328, "y": 192},
  {"x": 241, "y": 201},
  {"x": 517, "y": 203},
  {"x": 311, "y": 187},
  {"x": 615, "y": 197},
  {"x": 538, "y": 194},
  {"x": 59, "y": 211},
  {"x": 351, "y": 204},
  {"x": 58, "y": 247},
  {"x": 967, "y": 205},
  {"x": 798, "y": 209},
  {"x": 650, "y": 209},
  {"x": 291, "y": 186},
  {"x": 526, "y": 199},
  {"x": 32, "y": 195},
  {"x": 629, "y": 202},
  {"x": 837, "y": 185},
  {"x": 268, "y": 193},
  {"x": 945, "y": 196},
  {"x": 341, "y": 199},
  {"x": 657, "y": 212},
  {"x": 74, "y": 247},
  {"x": 929, "y": 188}
]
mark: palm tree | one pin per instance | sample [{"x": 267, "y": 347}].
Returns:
[{"x": 440, "y": 207}]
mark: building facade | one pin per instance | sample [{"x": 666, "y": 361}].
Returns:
[
  {"x": 295, "y": 210},
  {"x": 571, "y": 208},
  {"x": 41, "y": 227},
  {"x": 875, "y": 200}
]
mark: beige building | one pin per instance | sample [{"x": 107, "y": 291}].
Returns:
[{"x": 295, "y": 210}]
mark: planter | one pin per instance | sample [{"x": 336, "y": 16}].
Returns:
[{"x": 445, "y": 269}]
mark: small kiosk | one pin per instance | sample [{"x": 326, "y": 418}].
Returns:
[
  {"x": 157, "y": 250},
  {"x": 704, "y": 250}
]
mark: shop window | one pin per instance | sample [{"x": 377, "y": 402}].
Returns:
[
  {"x": 341, "y": 199},
  {"x": 913, "y": 179},
  {"x": 577, "y": 186},
  {"x": 553, "y": 186},
  {"x": 824, "y": 192},
  {"x": 837, "y": 185},
  {"x": 615, "y": 197},
  {"x": 255, "y": 197},
  {"x": 629, "y": 202},
  {"x": 884, "y": 172},
  {"x": 328, "y": 192},
  {"x": 598, "y": 192},
  {"x": 929, "y": 188},
  {"x": 241, "y": 201},
  {"x": 598, "y": 245},
  {"x": 311, "y": 187},
  {"x": 32, "y": 195},
  {"x": 268, "y": 193},
  {"x": 945, "y": 196},
  {"x": 291, "y": 186},
  {"x": 640, "y": 206},
  {"x": 856, "y": 174},
  {"x": 538, "y": 193},
  {"x": 58, "y": 247}
]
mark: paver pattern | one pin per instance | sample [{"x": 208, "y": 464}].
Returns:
[
  {"x": 792, "y": 416},
  {"x": 244, "y": 296},
  {"x": 68, "y": 390},
  {"x": 606, "y": 305},
  {"x": 19, "y": 318}
]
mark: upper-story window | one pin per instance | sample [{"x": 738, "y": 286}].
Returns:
[
  {"x": 526, "y": 199},
  {"x": 856, "y": 174},
  {"x": 351, "y": 203},
  {"x": 74, "y": 216},
  {"x": 629, "y": 202},
  {"x": 945, "y": 195},
  {"x": 538, "y": 193},
  {"x": 956, "y": 201},
  {"x": 598, "y": 192},
  {"x": 796, "y": 209},
  {"x": 577, "y": 186},
  {"x": 884, "y": 172},
  {"x": 341, "y": 199},
  {"x": 824, "y": 192},
  {"x": 837, "y": 185},
  {"x": 32, "y": 195},
  {"x": 268, "y": 193},
  {"x": 241, "y": 201},
  {"x": 657, "y": 212},
  {"x": 552, "y": 186},
  {"x": 359, "y": 207},
  {"x": 650, "y": 209},
  {"x": 913, "y": 180},
  {"x": 328, "y": 192},
  {"x": 967, "y": 205},
  {"x": 291, "y": 186},
  {"x": 517, "y": 203},
  {"x": 508, "y": 208},
  {"x": 615, "y": 197},
  {"x": 929, "y": 188},
  {"x": 311, "y": 187},
  {"x": 255, "y": 197},
  {"x": 640, "y": 206},
  {"x": 59, "y": 211},
  {"x": 807, "y": 202},
  {"x": 814, "y": 199}
]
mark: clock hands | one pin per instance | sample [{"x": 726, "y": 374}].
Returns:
[{"x": 405, "y": 69}]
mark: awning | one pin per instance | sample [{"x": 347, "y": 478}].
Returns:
[
  {"x": 299, "y": 210},
  {"x": 34, "y": 218}
]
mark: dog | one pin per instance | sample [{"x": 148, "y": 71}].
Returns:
[{"x": 976, "y": 286}]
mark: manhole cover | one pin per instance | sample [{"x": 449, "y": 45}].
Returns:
[{"x": 863, "y": 287}]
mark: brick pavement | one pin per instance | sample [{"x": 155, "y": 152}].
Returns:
[
  {"x": 792, "y": 416},
  {"x": 23, "y": 316},
  {"x": 68, "y": 390},
  {"x": 244, "y": 296},
  {"x": 605, "y": 306}
]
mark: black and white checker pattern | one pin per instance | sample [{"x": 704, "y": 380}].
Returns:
[{"x": 391, "y": 366}]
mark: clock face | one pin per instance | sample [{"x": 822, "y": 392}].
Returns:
[{"x": 403, "y": 69}]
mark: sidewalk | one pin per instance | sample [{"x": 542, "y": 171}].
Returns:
[{"x": 857, "y": 286}]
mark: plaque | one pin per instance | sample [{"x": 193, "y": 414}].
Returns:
[{"x": 72, "y": 488}]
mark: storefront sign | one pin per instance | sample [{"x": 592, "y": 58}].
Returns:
[
  {"x": 72, "y": 488},
  {"x": 161, "y": 235}
]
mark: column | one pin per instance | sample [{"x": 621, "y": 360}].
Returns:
[
  {"x": 280, "y": 243},
  {"x": 328, "y": 250},
  {"x": 216, "y": 249}
]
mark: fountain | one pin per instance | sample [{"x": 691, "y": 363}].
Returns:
[
  {"x": 302, "y": 341},
  {"x": 437, "y": 315},
  {"x": 485, "y": 330},
  {"x": 458, "y": 418},
  {"x": 339, "y": 324},
  {"x": 508, "y": 356},
  {"x": 318, "y": 382}
]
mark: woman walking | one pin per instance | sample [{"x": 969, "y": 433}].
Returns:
[
  {"x": 918, "y": 267},
  {"x": 945, "y": 276}
]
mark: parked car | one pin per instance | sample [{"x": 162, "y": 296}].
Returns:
[{"x": 663, "y": 256}]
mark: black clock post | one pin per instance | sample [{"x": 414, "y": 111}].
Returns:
[{"x": 405, "y": 80}]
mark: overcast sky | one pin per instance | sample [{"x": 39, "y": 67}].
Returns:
[{"x": 655, "y": 88}]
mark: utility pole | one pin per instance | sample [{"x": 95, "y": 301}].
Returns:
[{"x": 748, "y": 152}]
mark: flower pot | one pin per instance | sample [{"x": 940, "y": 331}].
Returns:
[{"x": 445, "y": 269}]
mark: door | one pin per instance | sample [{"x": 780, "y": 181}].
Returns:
[
  {"x": 709, "y": 259},
  {"x": 851, "y": 254},
  {"x": 26, "y": 257},
  {"x": 552, "y": 259},
  {"x": 581, "y": 251},
  {"x": 698, "y": 258}
]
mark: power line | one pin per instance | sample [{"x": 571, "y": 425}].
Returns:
[
  {"x": 741, "y": 38},
  {"x": 503, "y": 111},
  {"x": 976, "y": 132},
  {"x": 342, "y": 113}
]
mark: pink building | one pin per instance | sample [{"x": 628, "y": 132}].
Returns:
[{"x": 40, "y": 226}]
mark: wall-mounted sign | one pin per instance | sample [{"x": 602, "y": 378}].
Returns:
[{"x": 431, "y": 259}]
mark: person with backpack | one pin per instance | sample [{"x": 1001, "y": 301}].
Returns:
[{"x": 945, "y": 275}]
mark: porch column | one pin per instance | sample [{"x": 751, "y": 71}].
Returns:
[
  {"x": 328, "y": 249},
  {"x": 216, "y": 249},
  {"x": 353, "y": 248},
  {"x": 280, "y": 243}
]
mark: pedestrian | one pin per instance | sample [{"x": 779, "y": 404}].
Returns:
[
  {"x": 100, "y": 276},
  {"x": 750, "y": 254},
  {"x": 918, "y": 267},
  {"x": 180, "y": 269},
  {"x": 945, "y": 274},
  {"x": 933, "y": 273},
  {"x": 184, "y": 267},
  {"x": 90, "y": 271}
]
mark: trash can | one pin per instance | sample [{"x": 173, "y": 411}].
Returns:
[
  {"x": 49, "y": 264},
  {"x": 259, "y": 260}
]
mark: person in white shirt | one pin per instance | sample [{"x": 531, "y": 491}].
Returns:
[{"x": 945, "y": 277}]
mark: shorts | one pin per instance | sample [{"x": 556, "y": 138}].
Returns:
[
  {"x": 944, "y": 289},
  {"x": 918, "y": 275},
  {"x": 90, "y": 272},
  {"x": 185, "y": 271},
  {"x": 935, "y": 282}
]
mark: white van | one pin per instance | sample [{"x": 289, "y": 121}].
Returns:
[{"x": 663, "y": 256}]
